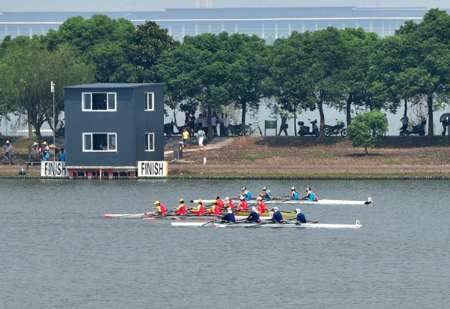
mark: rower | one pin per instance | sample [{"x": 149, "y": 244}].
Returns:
[
  {"x": 199, "y": 210},
  {"x": 300, "y": 218},
  {"x": 295, "y": 196},
  {"x": 265, "y": 194},
  {"x": 215, "y": 209},
  {"x": 243, "y": 205},
  {"x": 277, "y": 216},
  {"x": 253, "y": 217},
  {"x": 229, "y": 217},
  {"x": 181, "y": 209},
  {"x": 229, "y": 203},
  {"x": 310, "y": 195},
  {"x": 220, "y": 203},
  {"x": 247, "y": 194},
  {"x": 261, "y": 205},
  {"x": 161, "y": 210}
]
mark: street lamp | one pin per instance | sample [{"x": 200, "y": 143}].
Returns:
[{"x": 52, "y": 90}]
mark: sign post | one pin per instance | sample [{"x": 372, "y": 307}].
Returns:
[{"x": 153, "y": 169}]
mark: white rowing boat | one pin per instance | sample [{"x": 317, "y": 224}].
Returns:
[
  {"x": 355, "y": 226},
  {"x": 127, "y": 216},
  {"x": 322, "y": 202}
]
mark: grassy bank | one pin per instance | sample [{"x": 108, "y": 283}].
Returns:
[{"x": 294, "y": 158}]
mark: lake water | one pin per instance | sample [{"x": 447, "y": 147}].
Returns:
[{"x": 56, "y": 250}]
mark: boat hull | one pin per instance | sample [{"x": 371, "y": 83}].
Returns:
[{"x": 355, "y": 226}]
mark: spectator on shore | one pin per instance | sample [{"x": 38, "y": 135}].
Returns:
[
  {"x": 62, "y": 155},
  {"x": 284, "y": 126},
  {"x": 46, "y": 154},
  {"x": 8, "y": 152},
  {"x": 35, "y": 152},
  {"x": 201, "y": 137},
  {"x": 185, "y": 136}
]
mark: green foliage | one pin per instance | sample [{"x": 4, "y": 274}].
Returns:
[
  {"x": 26, "y": 70},
  {"x": 366, "y": 128}
]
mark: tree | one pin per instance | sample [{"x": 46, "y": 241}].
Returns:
[
  {"x": 428, "y": 46},
  {"x": 146, "y": 46},
  {"x": 101, "y": 41},
  {"x": 201, "y": 66},
  {"x": 26, "y": 71},
  {"x": 367, "y": 128}
]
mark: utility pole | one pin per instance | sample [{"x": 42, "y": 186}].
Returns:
[{"x": 52, "y": 89}]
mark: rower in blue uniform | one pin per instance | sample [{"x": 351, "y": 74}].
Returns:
[
  {"x": 295, "y": 196},
  {"x": 229, "y": 217},
  {"x": 247, "y": 194},
  {"x": 266, "y": 194},
  {"x": 254, "y": 216},
  {"x": 277, "y": 217},
  {"x": 300, "y": 218},
  {"x": 310, "y": 195}
]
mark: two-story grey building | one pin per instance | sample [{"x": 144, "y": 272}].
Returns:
[{"x": 110, "y": 127}]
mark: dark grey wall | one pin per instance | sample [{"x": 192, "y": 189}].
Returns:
[{"x": 129, "y": 121}]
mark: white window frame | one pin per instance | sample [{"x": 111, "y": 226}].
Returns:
[
  {"x": 147, "y": 136},
  {"x": 99, "y": 110},
  {"x": 147, "y": 109},
  {"x": 108, "y": 134}
]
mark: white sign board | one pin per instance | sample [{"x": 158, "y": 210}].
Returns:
[
  {"x": 53, "y": 169},
  {"x": 153, "y": 168}
]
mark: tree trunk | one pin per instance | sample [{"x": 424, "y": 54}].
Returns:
[
  {"x": 30, "y": 136},
  {"x": 349, "y": 109},
  {"x": 244, "y": 112},
  {"x": 210, "y": 128},
  {"x": 295, "y": 124},
  {"x": 175, "y": 116},
  {"x": 430, "y": 115},
  {"x": 366, "y": 151},
  {"x": 405, "y": 113},
  {"x": 322, "y": 119}
]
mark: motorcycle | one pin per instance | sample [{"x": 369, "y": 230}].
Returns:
[
  {"x": 338, "y": 129},
  {"x": 418, "y": 129},
  {"x": 305, "y": 130}
]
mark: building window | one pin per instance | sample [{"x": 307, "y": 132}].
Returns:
[
  {"x": 149, "y": 141},
  {"x": 99, "y": 142},
  {"x": 149, "y": 101},
  {"x": 99, "y": 101}
]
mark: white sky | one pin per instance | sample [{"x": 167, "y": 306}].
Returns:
[{"x": 148, "y": 5}]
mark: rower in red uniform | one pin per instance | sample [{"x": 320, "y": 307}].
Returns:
[
  {"x": 161, "y": 210},
  {"x": 243, "y": 205},
  {"x": 181, "y": 209},
  {"x": 199, "y": 210},
  {"x": 261, "y": 206},
  {"x": 229, "y": 203},
  {"x": 220, "y": 203},
  {"x": 215, "y": 209}
]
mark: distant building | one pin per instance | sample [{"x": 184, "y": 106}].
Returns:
[
  {"x": 269, "y": 23},
  {"x": 110, "y": 127}
]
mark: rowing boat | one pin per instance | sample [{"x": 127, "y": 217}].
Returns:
[
  {"x": 152, "y": 216},
  {"x": 355, "y": 226},
  {"x": 126, "y": 216},
  {"x": 322, "y": 202}
]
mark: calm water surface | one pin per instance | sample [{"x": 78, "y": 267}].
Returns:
[{"x": 56, "y": 250}]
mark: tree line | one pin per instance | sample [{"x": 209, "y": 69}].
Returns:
[{"x": 349, "y": 70}]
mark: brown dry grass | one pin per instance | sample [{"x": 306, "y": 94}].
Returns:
[{"x": 245, "y": 157}]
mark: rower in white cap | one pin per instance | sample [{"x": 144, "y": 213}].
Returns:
[
  {"x": 300, "y": 218},
  {"x": 277, "y": 216},
  {"x": 254, "y": 216},
  {"x": 229, "y": 217}
]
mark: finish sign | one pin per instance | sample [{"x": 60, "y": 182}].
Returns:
[
  {"x": 153, "y": 168},
  {"x": 55, "y": 169}
]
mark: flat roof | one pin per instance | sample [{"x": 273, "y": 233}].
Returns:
[{"x": 113, "y": 85}]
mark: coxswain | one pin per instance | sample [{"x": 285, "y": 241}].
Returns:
[
  {"x": 220, "y": 203},
  {"x": 261, "y": 206},
  {"x": 265, "y": 194},
  {"x": 295, "y": 196},
  {"x": 229, "y": 203},
  {"x": 161, "y": 210},
  {"x": 229, "y": 217},
  {"x": 254, "y": 216},
  {"x": 247, "y": 194},
  {"x": 310, "y": 195},
  {"x": 199, "y": 210},
  {"x": 181, "y": 209},
  {"x": 215, "y": 209},
  {"x": 277, "y": 216},
  {"x": 243, "y": 205},
  {"x": 300, "y": 217}
]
